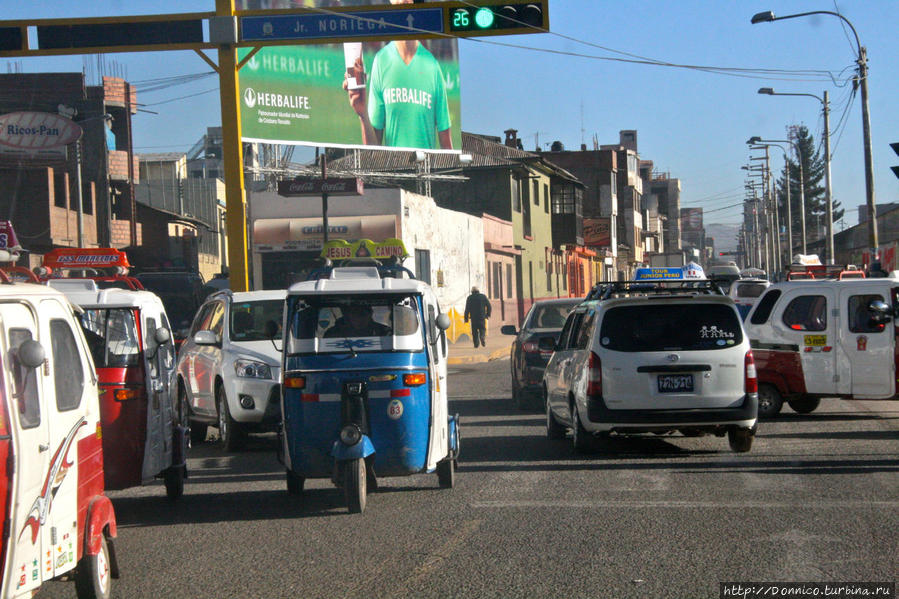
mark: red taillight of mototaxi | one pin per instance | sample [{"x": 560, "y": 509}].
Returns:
[
  {"x": 594, "y": 376},
  {"x": 751, "y": 384}
]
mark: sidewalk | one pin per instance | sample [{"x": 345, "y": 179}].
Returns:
[{"x": 464, "y": 352}]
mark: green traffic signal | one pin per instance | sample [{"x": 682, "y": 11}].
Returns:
[
  {"x": 484, "y": 18},
  {"x": 499, "y": 17}
]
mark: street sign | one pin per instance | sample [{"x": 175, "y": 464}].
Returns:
[
  {"x": 895, "y": 147},
  {"x": 312, "y": 187},
  {"x": 355, "y": 24}
]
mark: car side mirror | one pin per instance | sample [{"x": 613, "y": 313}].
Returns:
[
  {"x": 880, "y": 311},
  {"x": 443, "y": 322},
  {"x": 508, "y": 329},
  {"x": 271, "y": 329},
  {"x": 546, "y": 344},
  {"x": 162, "y": 336},
  {"x": 31, "y": 354},
  {"x": 206, "y": 338}
]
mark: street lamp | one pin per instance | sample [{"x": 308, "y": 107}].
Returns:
[
  {"x": 862, "y": 61},
  {"x": 756, "y": 140},
  {"x": 827, "y": 189},
  {"x": 788, "y": 218}
]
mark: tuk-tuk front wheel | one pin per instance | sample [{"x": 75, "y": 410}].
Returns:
[
  {"x": 355, "y": 485},
  {"x": 295, "y": 483},
  {"x": 174, "y": 482},
  {"x": 446, "y": 473},
  {"x": 805, "y": 404},
  {"x": 93, "y": 579}
]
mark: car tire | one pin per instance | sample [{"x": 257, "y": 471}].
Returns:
[
  {"x": 93, "y": 579},
  {"x": 230, "y": 433},
  {"x": 805, "y": 405},
  {"x": 554, "y": 430},
  {"x": 446, "y": 473},
  {"x": 355, "y": 485},
  {"x": 770, "y": 401},
  {"x": 295, "y": 483},
  {"x": 580, "y": 438},
  {"x": 174, "y": 482},
  {"x": 740, "y": 439}
]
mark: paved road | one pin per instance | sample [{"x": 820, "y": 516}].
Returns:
[{"x": 816, "y": 500}]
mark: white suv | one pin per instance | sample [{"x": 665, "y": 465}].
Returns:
[
  {"x": 652, "y": 359},
  {"x": 229, "y": 368}
]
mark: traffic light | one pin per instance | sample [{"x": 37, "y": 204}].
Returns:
[
  {"x": 494, "y": 17},
  {"x": 895, "y": 147}
]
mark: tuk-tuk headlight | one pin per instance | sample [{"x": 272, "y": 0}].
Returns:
[
  {"x": 252, "y": 369},
  {"x": 350, "y": 435}
]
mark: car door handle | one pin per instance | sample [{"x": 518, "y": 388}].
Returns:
[{"x": 42, "y": 447}]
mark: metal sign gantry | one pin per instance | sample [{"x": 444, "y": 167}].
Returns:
[{"x": 230, "y": 29}]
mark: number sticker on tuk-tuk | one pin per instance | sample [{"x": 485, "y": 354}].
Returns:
[
  {"x": 816, "y": 340},
  {"x": 395, "y": 409}
]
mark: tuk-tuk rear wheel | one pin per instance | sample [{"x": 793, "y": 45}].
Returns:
[
  {"x": 446, "y": 473},
  {"x": 93, "y": 579},
  {"x": 295, "y": 483},
  {"x": 355, "y": 485},
  {"x": 174, "y": 482}
]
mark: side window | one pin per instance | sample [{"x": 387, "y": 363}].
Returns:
[
  {"x": 764, "y": 307},
  {"x": 859, "y": 317},
  {"x": 149, "y": 342},
  {"x": 201, "y": 318},
  {"x": 217, "y": 319},
  {"x": 68, "y": 374},
  {"x": 24, "y": 381},
  {"x": 806, "y": 313},
  {"x": 583, "y": 333},
  {"x": 571, "y": 324}
]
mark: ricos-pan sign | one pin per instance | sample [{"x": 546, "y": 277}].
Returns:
[{"x": 37, "y": 130}]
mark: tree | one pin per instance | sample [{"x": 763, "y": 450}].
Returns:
[{"x": 813, "y": 180}]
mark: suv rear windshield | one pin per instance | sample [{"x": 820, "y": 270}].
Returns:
[
  {"x": 111, "y": 336},
  {"x": 670, "y": 327},
  {"x": 750, "y": 289}
]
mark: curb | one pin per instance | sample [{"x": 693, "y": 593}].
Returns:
[{"x": 497, "y": 354}]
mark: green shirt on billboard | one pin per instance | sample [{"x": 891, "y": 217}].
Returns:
[{"x": 408, "y": 102}]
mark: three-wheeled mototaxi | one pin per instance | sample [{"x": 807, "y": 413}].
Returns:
[
  {"x": 130, "y": 339},
  {"x": 56, "y": 521},
  {"x": 364, "y": 382}
]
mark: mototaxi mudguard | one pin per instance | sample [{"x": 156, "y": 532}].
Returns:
[
  {"x": 454, "y": 438},
  {"x": 362, "y": 449},
  {"x": 101, "y": 521}
]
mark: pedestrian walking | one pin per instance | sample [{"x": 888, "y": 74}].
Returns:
[{"x": 477, "y": 309}]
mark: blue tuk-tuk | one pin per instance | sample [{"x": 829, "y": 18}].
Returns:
[{"x": 364, "y": 382}]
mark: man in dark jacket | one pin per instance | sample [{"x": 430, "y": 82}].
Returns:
[{"x": 477, "y": 309}]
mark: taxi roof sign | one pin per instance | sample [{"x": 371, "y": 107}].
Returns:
[
  {"x": 340, "y": 249},
  {"x": 85, "y": 257},
  {"x": 689, "y": 272}
]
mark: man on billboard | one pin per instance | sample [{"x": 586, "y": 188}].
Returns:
[{"x": 405, "y": 102}]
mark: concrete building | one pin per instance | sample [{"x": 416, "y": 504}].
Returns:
[
  {"x": 630, "y": 204},
  {"x": 39, "y": 194}
]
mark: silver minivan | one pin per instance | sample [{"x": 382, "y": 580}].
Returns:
[{"x": 652, "y": 359}]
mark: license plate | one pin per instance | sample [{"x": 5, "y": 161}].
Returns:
[{"x": 675, "y": 383}]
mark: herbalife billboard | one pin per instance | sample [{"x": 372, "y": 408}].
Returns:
[{"x": 386, "y": 95}]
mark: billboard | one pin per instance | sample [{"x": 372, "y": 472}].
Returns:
[
  {"x": 690, "y": 220},
  {"x": 400, "y": 95},
  {"x": 597, "y": 232}
]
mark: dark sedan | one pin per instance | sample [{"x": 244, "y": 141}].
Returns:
[{"x": 544, "y": 319}]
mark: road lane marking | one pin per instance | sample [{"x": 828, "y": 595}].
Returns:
[{"x": 644, "y": 504}]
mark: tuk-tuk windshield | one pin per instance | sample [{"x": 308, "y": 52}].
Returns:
[
  {"x": 340, "y": 324},
  {"x": 248, "y": 319},
  {"x": 112, "y": 337}
]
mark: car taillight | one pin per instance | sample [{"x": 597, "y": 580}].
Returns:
[
  {"x": 594, "y": 376},
  {"x": 529, "y": 347},
  {"x": 751, "y": 381}
]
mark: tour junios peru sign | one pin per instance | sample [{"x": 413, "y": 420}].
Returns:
[{"x": 37, "y": 130}]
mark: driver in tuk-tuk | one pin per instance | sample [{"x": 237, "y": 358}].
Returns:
[{"x": 357, "y": 321}]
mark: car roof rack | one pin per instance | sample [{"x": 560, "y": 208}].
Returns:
[{"x": 610, "y": 289}]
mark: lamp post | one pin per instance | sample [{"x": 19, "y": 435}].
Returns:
[
  {"x": 759, "y": 141},
  {"x": 79, "y": 220},
  {"x": 827, "y": 189},
  {"x": 788, "y": 216},
  {"x": 862, "y": 61}
]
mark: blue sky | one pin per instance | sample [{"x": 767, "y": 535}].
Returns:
[{"x": 691, "y": 124}]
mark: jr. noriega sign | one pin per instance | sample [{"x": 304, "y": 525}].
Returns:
[{"x": 310, "y": 186}]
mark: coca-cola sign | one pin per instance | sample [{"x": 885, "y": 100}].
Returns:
[{"x": 309, "y": 186}]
